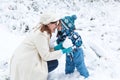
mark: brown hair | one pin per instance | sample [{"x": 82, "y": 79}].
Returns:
[{"x": 45, "y": 28}]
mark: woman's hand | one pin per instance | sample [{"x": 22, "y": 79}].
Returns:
[{"x": 59, "y": 46}]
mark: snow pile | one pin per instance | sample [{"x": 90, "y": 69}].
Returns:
[{"x": 67, "y": 43}]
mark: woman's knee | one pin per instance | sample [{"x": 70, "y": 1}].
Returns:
[{"x": 52, "y": 65}]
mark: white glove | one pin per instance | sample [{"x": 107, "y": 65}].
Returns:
[{"x": 67, "y": 43}]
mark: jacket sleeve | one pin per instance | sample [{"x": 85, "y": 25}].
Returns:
[
  {"x": 42, "y": 45},
  {"x": 76, "y": 39}
]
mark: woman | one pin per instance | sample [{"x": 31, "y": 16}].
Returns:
[{"x": 32, "y": 59}]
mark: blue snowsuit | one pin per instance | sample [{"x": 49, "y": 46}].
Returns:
[{"x": 76, "y": 57}]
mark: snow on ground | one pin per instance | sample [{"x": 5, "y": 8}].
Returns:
[
  {"x": 8, "y": 43},
  {"x": 98, "y": 24}
]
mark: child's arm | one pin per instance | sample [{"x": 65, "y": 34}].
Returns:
[{"x": 76, "y": 39}]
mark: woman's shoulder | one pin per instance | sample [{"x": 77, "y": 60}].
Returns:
[{"x": 38, "y": 34}]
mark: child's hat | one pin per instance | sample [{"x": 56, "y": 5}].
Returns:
[{"x": 69, "y": 21}]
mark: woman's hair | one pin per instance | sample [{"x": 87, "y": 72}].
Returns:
[{"x": 45, "y": 28}]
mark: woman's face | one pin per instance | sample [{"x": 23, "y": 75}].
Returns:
[
  {"x": 53, "y": 26},
  {"x": 59, "y": 28}
]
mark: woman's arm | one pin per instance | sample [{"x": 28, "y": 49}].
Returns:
[{"x": 42, "y": 45}]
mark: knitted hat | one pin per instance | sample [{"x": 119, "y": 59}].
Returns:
[
  {"x": 68, "y": 22},
  {"x": 48, "y": 17}
]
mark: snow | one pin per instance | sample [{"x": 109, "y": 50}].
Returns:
[
  {"x": 67, "y": 43},
  {"x": 8, "y": 43},
  {"x": 98, "y": 24}
]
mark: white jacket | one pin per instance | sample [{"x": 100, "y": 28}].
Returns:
[{"x": 29, "y": 61}]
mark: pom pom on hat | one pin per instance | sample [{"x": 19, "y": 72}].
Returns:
[
  {"x": 48, "y": 17},
  {"x": 73, "y": 17}
]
